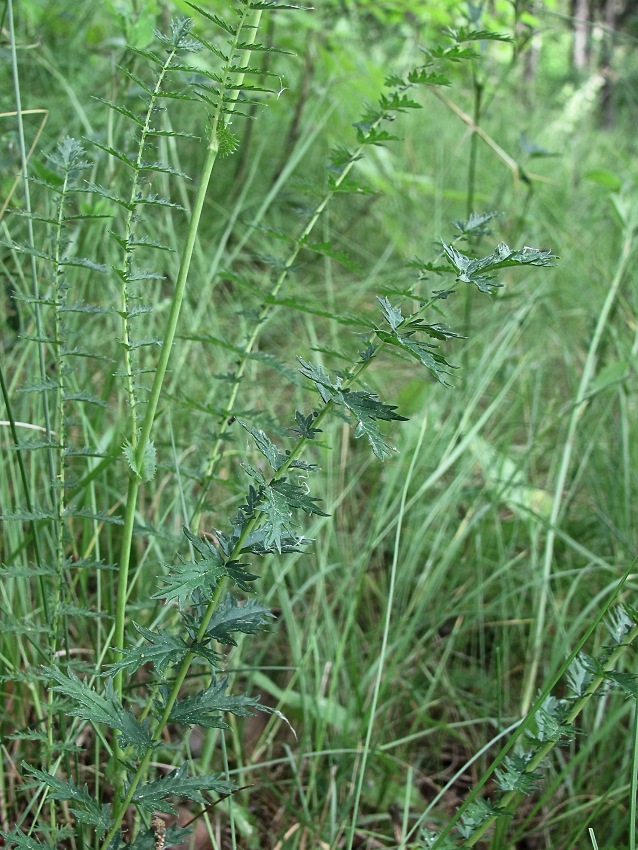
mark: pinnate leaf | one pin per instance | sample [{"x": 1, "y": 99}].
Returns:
[
  {"x": 153, "y": 796},
  {"x": 162, "y": 650},
  {"x": 366, "y": 409},
  {"x": 476, "y": 271},
  {"x": 104, "y": 708},
  {"x": 230, "y": 617},
  {"x": 201, "y": 575},
  {"x": 205, "y": 708},
  {"x": 61, "y": 789}
]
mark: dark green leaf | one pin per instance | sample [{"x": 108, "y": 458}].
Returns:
[
  {"x": 297, "y": 497},
  {"x": 59, "y": 789},
  {"x": 230, "y": 617},
  {"x": 304, "y": 427},
  {"x": 105, "y": 708},
  {"x": 393, "y": 315},
  {"x": 153, "y": 796},
  {"x": 514, "y": 775},
  {"x": 366, "y": 409},
  {"x": 205, "y": 708},
  {"x": 161, "y": 649},
  {"x": 272, "y": 454},
  {"x": 477, "y": 813},
  {"x": 19, "y": 839},
  {"x": 463, "y": 34}
]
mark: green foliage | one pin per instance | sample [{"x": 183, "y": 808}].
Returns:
[{"x": 145, "y": 321}]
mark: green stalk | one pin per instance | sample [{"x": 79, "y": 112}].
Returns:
[
  {"x": 471, "y": 183},
  {"x": 386, "y": 636},
  {"x": 143, "y": 442},
  {"x": 250, "y": 526},
  {"x": 60, "y": 501},
  {"x": 634, "y": 781},
  {"x": 165, "y": 353},
  {"x": 579, "y": 407},
  {"x": 264, "y": 314},
  {"x": 32, "y": 259},
  {"x": 543, "y": 751},
  {"x": 34, "y": 278}
]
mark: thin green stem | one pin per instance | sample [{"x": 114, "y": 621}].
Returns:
[
  {"x": 141, "y": 445},
  {"x": 263, "y": 316},
  {"x": 213, "y": 603},
  {"x": 386, "y": 636},
  {"x": 32, "y": 257},
  {"x": 127, "y": 266},
  {"x": 165, "y": 353},
  {"x": 577, "y": 706},
  {"x": 634, "y": 781},
  {"x": 579, "y": 407},
  {"x": 471, "y": 183}
]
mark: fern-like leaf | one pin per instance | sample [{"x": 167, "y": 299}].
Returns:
[
  {"x": 205, "y": 708},
  {"x": 87, "y": 703},
  {"x": 231, "y": 617},
  {"x": 153, "y": 796},
  {"x": 90, "y": 812}
]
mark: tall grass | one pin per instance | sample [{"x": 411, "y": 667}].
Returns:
[{"x": 447, "y": 587}]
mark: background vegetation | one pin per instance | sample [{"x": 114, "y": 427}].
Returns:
[{"x": 498, "y": 531}]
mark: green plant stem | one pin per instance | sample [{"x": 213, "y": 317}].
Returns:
[
  {"x": 386, "y": 636},
  {"x": 543, "y": 751},
  {"x": 471, "y": 182},
  {"x": 131, "y": 218},
  {"x": 579, "y": 407},
  {"x": 60, "y": 500},
  {"x": 471, "y": 171},
  {"x": 162, "y": 365},
  {"x": 633, "y": 785},
  {"x": 4, "y": 390},
  {"x": 32, "y": 257},
  {"x": 250, "y": 526},
  {"x": 264, "y": 313},
  {"x": 546, "y": 748},
  {"x": 167, "y": 344}
]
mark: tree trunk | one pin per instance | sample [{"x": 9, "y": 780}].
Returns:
[
  {"x": 607, "y": 112},
  {"x": 581, "y": 44}
]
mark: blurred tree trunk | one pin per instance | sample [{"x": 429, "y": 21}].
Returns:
[
  {"x": 607, "y": 112},
  {"x": 581, "y": 44}
]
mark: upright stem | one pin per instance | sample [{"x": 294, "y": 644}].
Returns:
[
  {"x": 579, "y": 407},
  {"x": 264, "y": 314},
  {"x": 224, "y": 106},
  {"x": 471, "y": 183}
]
